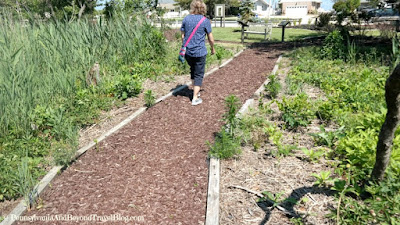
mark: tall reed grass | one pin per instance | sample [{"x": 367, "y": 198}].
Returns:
[{"x": 41, "y": 62}]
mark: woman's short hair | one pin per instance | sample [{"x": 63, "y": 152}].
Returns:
[{"x": 198, "y": 7}]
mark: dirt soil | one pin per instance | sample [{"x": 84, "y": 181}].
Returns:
[
  {"x": 287, "y": 177},
  {"x": 155, "y": 168}
]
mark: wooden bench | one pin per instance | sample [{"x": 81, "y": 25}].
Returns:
[{"x": 258, "y": 28}]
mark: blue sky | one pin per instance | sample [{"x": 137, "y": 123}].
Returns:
[
  {"x": 100, "y": 7},
  {"x": 326, "y": 4}
]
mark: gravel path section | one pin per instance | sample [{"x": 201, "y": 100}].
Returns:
[{"x": 155, "y": 168}]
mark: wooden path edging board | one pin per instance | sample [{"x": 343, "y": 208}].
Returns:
[
  {"x": 21, "y": 207},
  {"x": 212, "y": 213}
]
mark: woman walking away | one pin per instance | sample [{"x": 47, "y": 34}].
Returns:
[{"x": 196, "y": 50}]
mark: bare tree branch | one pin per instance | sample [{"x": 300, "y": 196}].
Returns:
[{"x": 83, "y": 7}]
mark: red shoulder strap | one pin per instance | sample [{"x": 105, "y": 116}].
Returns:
[{"x": 194, "y": 30}]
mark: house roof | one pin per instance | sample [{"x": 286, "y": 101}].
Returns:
[
  {"x": 282, "y": 1},
  {"x": 167, "y": 5},
  {"x": 166, "y": 1},
  {"x": 262, "y": 1}
]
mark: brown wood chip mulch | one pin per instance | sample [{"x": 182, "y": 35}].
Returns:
[{"x": 155, "y": 168}]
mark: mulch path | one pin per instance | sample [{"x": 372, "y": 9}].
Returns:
[{"x": 156, "y": 166}]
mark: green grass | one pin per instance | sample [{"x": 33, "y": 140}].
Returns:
[{"x": 234, "y": 34}]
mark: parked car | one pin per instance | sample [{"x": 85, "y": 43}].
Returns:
[{"x": 383, "y": 12}]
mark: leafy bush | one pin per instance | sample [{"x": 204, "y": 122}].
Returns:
[
  {"x": 327, "y": 138},
  {"x": 296, "y": 111},
  {"x": 220, "y": 53},
  {"x": 149, "y": 98},
  {"x": 232, "y": 104},
  {"x": 127, "y": 85},
  {"x": 273, "y": 87},
  {"x": 323, "y": 20},
  {"x": 284, "y": 150},
  {"x": 62, "y": 153},
  {"x": 293, "y": 85},
  {"x": 87, "y": 105},
  {"x": 325, "y": 111},
  {"x": 225, "y": 146},
  {"x": 313, "y": 155},
  {"x": 334, "y": 47},
  {"x": 381, "y": 208},
  {"x": 51, "y": 123},
  {"x": 226, "y": 143},
  {"x": 274, "y": 134},
  {"x": 323, "y": 178}
]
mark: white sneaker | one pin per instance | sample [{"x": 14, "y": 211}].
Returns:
[{"x": 197, "y": 101}]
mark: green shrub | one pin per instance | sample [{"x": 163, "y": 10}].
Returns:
[
  {"x": 312, "y": 155},
  {"x": 323, "y": 19},
  {"x": 232, "y": 104},
  {"x": 274, "y": 134},
  {"x": 327, "y": 138},
  {"x": 127, "y": 85},
  {"x": 226, "y": 143},
  {"x": 382, "y": 207},
  {"x": 149, "y": 98},
  {"x": 273, "y": 87},
  {"x": 284, "y": 150},
  {"x": 325, "y": 111},
  {"x": 220, "y": 54},
  {"x": 178, "y": 35},
  {"x": 62, "y": 153},
  {"x": 296, "y": 111},
  {"x": 52, "y": 123},
  {"x": 225, "y": 146},
  {"x": 334, "y": 46},
  {"x": 293, "y": 86},
  {"x": 88, "y": 104}
]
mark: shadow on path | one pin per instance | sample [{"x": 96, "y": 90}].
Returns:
[
  {"x": 292, "y": 200},
  {"x": 183, "y": 90}
]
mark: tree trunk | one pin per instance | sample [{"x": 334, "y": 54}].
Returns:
[
  {"x": 83, "y": 6},
  {"x": 386, "y": 135}
]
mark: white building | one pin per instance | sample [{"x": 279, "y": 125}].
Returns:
[
  {"x": 299, "y": 8},
  {"x": 173, "y": 11},
  {"x": 262, "y": 8}
]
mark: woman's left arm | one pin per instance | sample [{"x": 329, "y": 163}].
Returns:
[{"x": 211, "y": 41}]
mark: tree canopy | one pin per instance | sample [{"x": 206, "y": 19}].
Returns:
[{"x": 345, "y": 8}]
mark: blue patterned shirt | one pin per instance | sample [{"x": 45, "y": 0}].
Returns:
[{"x": 196, "y": 46}]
